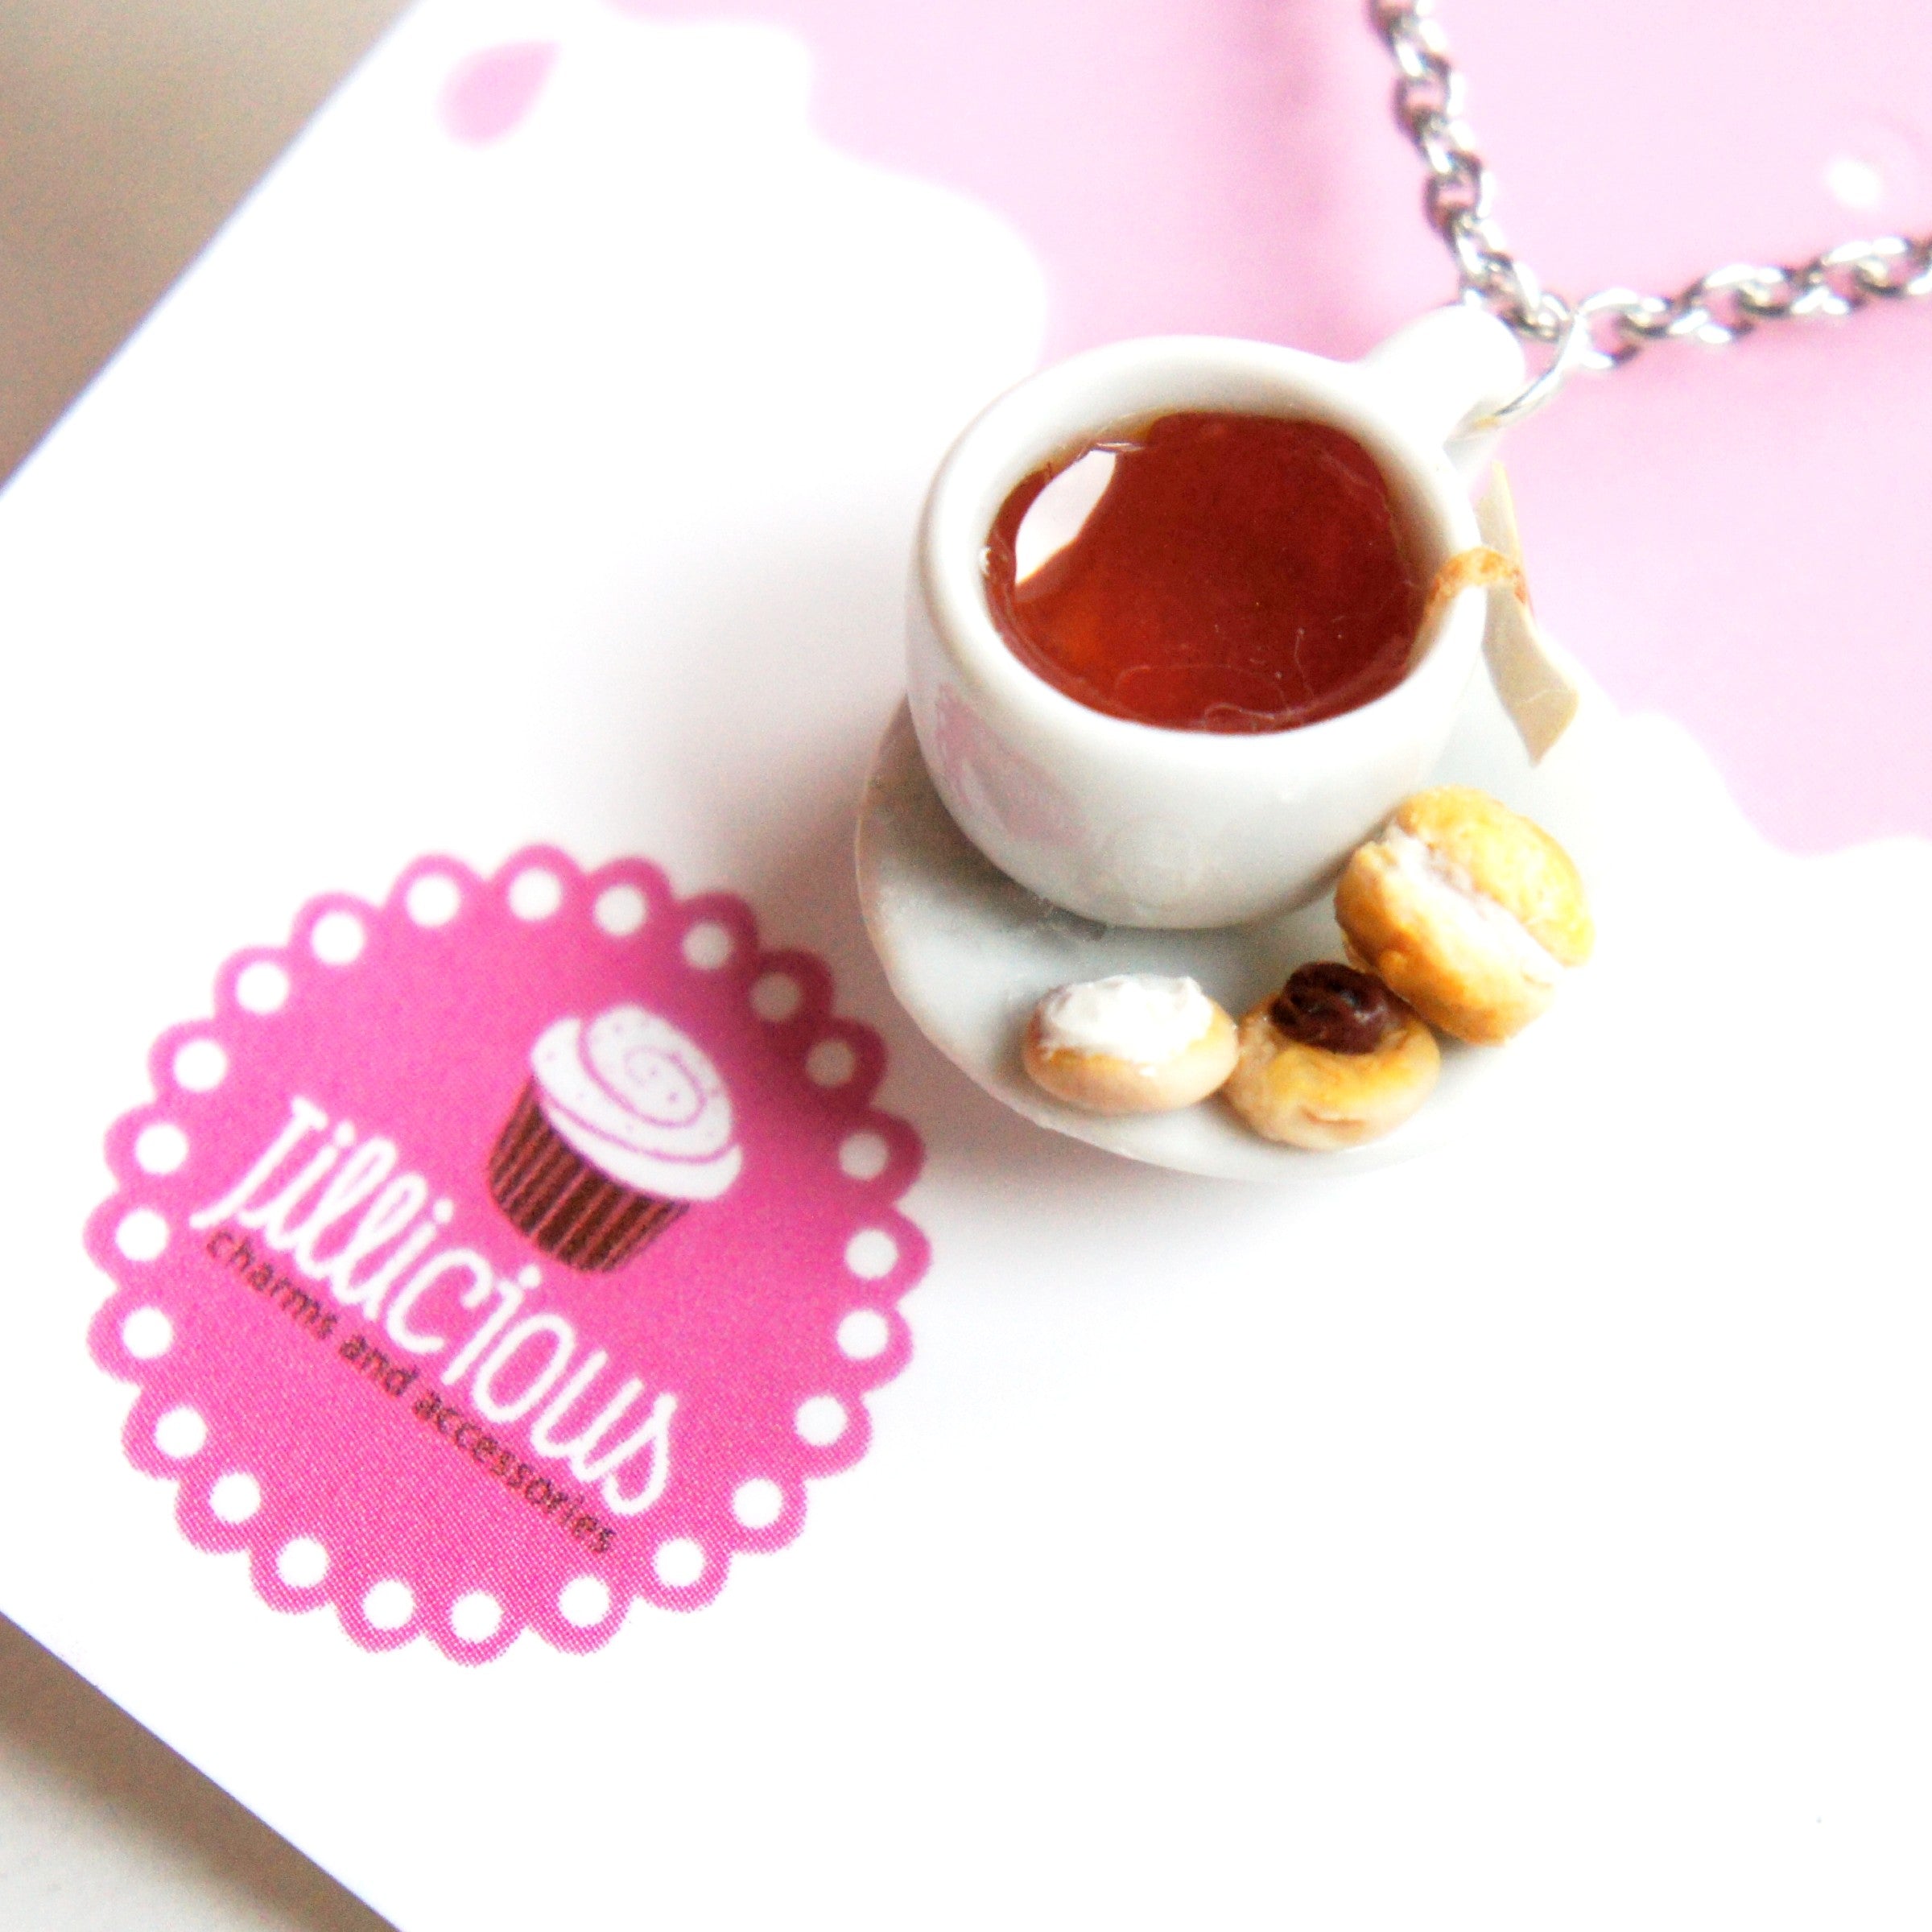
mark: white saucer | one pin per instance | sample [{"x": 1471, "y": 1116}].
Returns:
[{"x": 969, "y": 952}]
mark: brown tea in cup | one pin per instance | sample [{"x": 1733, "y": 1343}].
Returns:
[{"x": 1209, "y": 571}]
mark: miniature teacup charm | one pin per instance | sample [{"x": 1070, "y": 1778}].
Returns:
[{"x": 1140, "y": 823}]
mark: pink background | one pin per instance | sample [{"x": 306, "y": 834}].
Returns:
[{"x": 1730, "y": 540}]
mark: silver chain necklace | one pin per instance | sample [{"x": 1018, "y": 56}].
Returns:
[{"x": 1605, "y": 330}]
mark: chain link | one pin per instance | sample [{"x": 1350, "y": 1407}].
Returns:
[{"x": 1605, "y": 330}]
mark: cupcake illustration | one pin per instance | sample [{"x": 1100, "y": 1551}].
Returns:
[{"x": 624, "y": 1123}]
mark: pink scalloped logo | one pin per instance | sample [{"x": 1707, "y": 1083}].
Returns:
[{"x": 506, "y": 1252}]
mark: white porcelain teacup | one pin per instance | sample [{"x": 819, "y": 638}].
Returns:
[{"x": 1137, "y": 824}]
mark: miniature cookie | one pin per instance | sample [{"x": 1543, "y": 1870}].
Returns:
[
  {"x": 1468, "y": 910},
  {"x": 1136, "y": 1043},
  {"x": 1334, "y": 1058}
]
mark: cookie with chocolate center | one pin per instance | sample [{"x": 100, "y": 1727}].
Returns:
[{"x": 1332, "y": 1060}]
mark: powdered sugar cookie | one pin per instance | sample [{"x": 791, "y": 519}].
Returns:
[{"x": 1137, "y": 1043}]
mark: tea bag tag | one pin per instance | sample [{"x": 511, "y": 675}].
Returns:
[{"x": 1538, "y": 694}]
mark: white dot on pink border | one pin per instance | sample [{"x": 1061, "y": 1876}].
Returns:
[
  {"x": 337, "y": 939},
  {"x": 585, "y": 1600},
  {"x": 864, "y": 1334},
  {"x": 181, "y": 1433},
  {"x": 679, "y": 1562},
  {"x": 775, "y": 996},
  {"x": 302, "y": 1564},
  {"x": 475, "y": 1616},
  {"x": 832, "y": 1063},
  {"x": 821, "y": 1420},
  {"x": 390, "y": 1604},
  {"x": 535, "y": 893},
  {"x": 709, "y": 945},
  {"x": 434, "y": 900},
  {"x": 758, "y": 1503},
  {"x": 147, "y": 1334},
  {"x": 200, "y": 1066},
  {"x": 262, "y": 986},
  {"x": 621, "y": 910},
  {"x": 863, "y": 1156},
  {"x": 236, "y": 1497},
  {"x": 161, "y": 1148},
  {"x": 872, "y": 1254},
  {"x": 142, "y": 1235}
]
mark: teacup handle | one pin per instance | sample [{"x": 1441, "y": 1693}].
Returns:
[{"x": 1445, "y": 370}]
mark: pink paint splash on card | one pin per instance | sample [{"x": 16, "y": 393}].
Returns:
[
  {"x": 507, "y": 1252},
  {"x": 487, "y": 95}
]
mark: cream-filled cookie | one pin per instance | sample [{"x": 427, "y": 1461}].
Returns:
[
  {"x": 1334, "y": 1059},
  {"x": 1468, "y": 910},
  {"x": 1136, "y": 1043}
]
